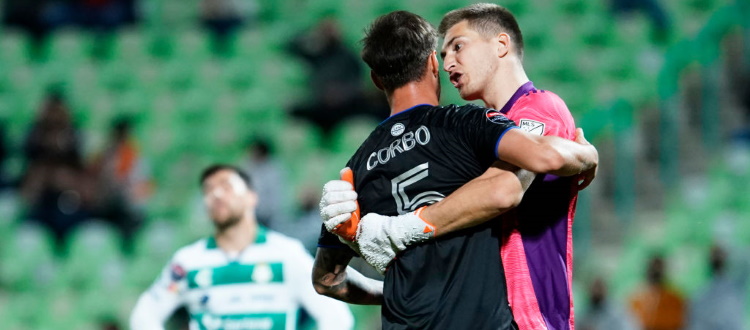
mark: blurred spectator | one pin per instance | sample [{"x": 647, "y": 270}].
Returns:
[
  {"x": 336, "y": 78},
  {"x": 269, "y": 180},
  {"x": 40, "y": 17},
  {"x": 656, "y": 305},
  {"x": 37, "y": 17},
  {"x": 601, "y": 314},
  {"x": 122, "y": 183},
  {"x": 223, "y": 17},
  {"x": 721, "y": 304},
  {"x": 305, "y": 225},
  {"x": 53, "y": 186},
  {"x": 104, "y": 15},
  {"x": 652, "y": 9}
]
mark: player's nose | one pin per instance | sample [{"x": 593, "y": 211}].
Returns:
[{"x": 448, "y": 63}]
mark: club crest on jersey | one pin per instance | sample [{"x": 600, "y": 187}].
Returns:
[
  {"x": 262, "y": 273},
  {"x": 532, "y": 126},
  {"x": 398, "y": 129},
  {"x": 494, "y": 116}
]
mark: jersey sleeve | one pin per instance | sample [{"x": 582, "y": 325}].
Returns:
[
  {"x": 481, "y": 129},
  {"x": 158, "y": 303},
  {"x": 544, "y": 113}
]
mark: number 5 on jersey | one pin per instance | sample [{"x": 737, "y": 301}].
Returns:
[{"x": 405, "y": 204}]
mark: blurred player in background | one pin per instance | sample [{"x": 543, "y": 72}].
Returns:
[
  {"x": 243, "y": 277},
  {"x": 420, "y": 154},
  {"x": 483, "y": 51}
]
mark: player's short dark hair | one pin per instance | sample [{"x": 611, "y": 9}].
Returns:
[
  {"x": 213, "y": 169},
  {"x": 486, "y": 18},
  {"x": 397, "y": 46}
]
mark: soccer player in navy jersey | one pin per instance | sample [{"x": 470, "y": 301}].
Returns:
[
  {"x": 416, "y": 157},
  {"x": 483, "y": 51}
]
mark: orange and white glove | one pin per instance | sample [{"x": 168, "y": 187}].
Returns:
[
  {"x": 381, "y": 238},
  {"x": 339, "y": 209}
]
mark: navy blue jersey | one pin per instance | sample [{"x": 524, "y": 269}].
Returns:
[{"x": 416, "y": 158}]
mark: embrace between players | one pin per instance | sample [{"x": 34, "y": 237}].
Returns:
[{"x": 468, "y": 217}]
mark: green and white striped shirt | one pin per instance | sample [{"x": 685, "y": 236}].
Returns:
[{"x": 261, "y": 288}]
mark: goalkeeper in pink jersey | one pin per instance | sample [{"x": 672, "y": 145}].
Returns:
[{"x": 482, "y": 53}]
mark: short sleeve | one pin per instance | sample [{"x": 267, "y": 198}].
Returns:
[
  {"x": 544, "y": 114},
  {"x": 481, "y": 129}
]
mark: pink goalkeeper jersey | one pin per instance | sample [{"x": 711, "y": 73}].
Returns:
[{"x": 537, "y": 250}]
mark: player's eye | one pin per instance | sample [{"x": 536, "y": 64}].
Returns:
[{"x": 457, "y": 47}]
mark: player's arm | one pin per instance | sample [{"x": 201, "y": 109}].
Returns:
[
  {"x": 332, "y": 277},
  {"x": 502, "y": 186},
  {"x": 496, "y": 191},
  {"x": 156, "y": 305},
  {"x": 328, "y": 313},
  {"x": 549, "y": 154}
]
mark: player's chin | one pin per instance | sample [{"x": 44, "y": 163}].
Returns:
[
  {"x": 220, "y": 217},
  {"x": 467, "y": 94}
]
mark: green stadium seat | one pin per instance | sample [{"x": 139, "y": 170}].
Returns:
[
  {"x": 94, "y": 259},
  {"x": 70, "y": 47},
  {"x": 350, "y": 134},
  {"x": 14, "y": 46},
  {"x": 117, "y": 77},
  {"x": 131, "y": 46},
  {"x": 296, "y": 141},
  {"x": 27, "y": 261},
  {"x": 192, "y": 44}
]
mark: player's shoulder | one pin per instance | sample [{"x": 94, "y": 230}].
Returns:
[
  {"x": 540, "y": 97},
  {"x": 191, "y": 250},
  {"x": 465, "y": 111},
  {"x": 468, "y": 107},
  {"x": 277, "y": 239}
]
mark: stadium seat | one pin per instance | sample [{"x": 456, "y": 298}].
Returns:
[
  {"x": 117, "y": 77},
  {"x": 296, "y": 141},
  {"x": 350, "y": 134},
  {"x": 131, "y": 46},
  {"x": 69, "y": 46},
  {"x": 94, "y": 258},
  {"x": 27, "y": 261},
  {"x": 14, "y": 46}
]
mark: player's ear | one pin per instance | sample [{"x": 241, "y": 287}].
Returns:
[
  {"x": 503, "y": 44},
  {"x": 434, "y": 64},
  {"x": 252, "y": 198},
  {"x": 376, "y": 80}
]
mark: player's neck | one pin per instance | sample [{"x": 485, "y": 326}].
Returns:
[
  {"x": 236, "y": 238},
  {"x": 410, "y": 95},
  {"x": 504, "y": 85}
]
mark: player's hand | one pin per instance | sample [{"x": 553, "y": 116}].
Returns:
[
  {"x": 587, "y": 176},
  {"x": 338, "y": 207},
  {"x": 381, "y": 238}
]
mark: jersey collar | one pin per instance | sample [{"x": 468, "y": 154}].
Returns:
[
  {"x": 407, "y": 110},
  {"x": 525, "y": 88},
  {"x": 260, "y": 238}
]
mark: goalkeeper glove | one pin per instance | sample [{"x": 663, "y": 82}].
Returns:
[
  {"x": 381, "y": 238},
  {"x": 339, "y": 209}
]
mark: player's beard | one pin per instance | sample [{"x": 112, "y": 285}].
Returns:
[{"x": 229, "y": 222}]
